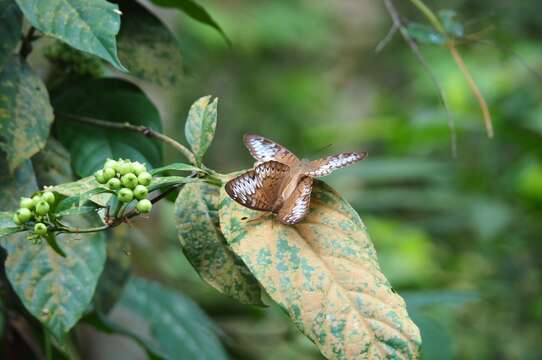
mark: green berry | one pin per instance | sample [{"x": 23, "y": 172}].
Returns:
[
  {"x": 40, "y": 229},
  {"x": 109, "y": 173},
  {"x": 144, "y": 206},
  {"x": 42, "y": 207},
  {"x": 26, "y": 203},
  {"x": 99, "y": 176},
  {"x": 125, "y": 195},
  {"x": 141, "y": 192},
  {"x": 114, "y": 184},
  {"x": 49, "y": 197},
  {"x": 36, "y": 199},
  {"x": 110, "y": 164},
  {"x": 24, "y": 214},
  {"x": 16, "y": 219},
  {"x": 129, "y": 180},
  {"x": 144, "y": 178},
  {"x": 138, "y": 168},
  {"x": 124, "y": 168}
]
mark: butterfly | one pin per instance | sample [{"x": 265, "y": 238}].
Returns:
[{"x": 280, "y": 182}]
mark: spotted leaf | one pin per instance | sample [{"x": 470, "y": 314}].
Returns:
[
  {"x": 196, "y": 215},
  {"x": 200, "y": 125},
  {"x": 324, "y": 272}
]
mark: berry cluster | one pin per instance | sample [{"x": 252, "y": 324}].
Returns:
[
  {"x": 35, "y": 211},
  {"x": 129, "y": 180}
]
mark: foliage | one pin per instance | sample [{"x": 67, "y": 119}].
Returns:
[{"x": 455, "y": 229}]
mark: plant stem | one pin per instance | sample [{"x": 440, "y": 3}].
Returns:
[
  {"x": 429, "y": 14},
  {"x": 472, "y": 84},
  {"x": 26, "y": 44},
  {"x": 148, "y": 132}
]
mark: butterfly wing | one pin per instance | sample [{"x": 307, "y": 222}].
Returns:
[
  {"x": 297, "y": 205},
  {"x": 258, "y": 189},
  {"x": 326, "y": 166},
  {"x": 263, "y": 149}
]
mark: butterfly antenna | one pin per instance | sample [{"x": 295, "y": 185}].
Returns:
[{"x": 321, "y": 150}]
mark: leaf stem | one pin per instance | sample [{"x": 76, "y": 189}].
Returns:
[
  {"x": 144, "y": 130},
  {"x": 429, "y": 14}
]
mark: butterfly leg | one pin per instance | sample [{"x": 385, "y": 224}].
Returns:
[{"x": 257, "y": 218}]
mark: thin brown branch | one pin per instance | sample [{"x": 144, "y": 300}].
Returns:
[
  {"x": 394, "y": 14},
  {"x": 144, "y": 130},
  {"x": 26, "y": 44},
  {"x": 476, "y": 91},
  {"x": 382, "y": 44}
]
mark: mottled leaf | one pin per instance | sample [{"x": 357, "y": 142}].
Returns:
[
  {"x": 54, "y": 289},
  {"x": 167, "y": 181},
  {"x": 25, "y": 112},
  {"x": 52, "y": 164},
  {"x": 116, "y": 271},
  {"x": 324, "y": 272},
  {"x": 425, "y": 34},
  {"x": 11, "y": 21},
  {"x": 175, "y": 167},
  {"x": 175, "y": 322},
  {"x": 13, "y": 187},
  {"x": 112, "y": 100},
  {"x": 195, "y": 11},
  {"x": 152, "y": 54},
  {"x": 200, "y": 125},
  {"x": 87, "y": 25},
  {"x": 196, "y": 215}
]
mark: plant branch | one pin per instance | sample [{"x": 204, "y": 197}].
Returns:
[
  {"x": 144, "y": 130},
  {"x": 26, "y": 45},
  {"x": 396, "y": 19},
  {"x": 476, "y": 91},
  {"x": 429, "y": 14}
]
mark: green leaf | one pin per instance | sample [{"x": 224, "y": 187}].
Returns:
[
  {"x": 52, "y": 164},
  {"x": 152, "y": 54},
  {"x": 195, "y": 11},
  {"x": 77, "y": 188},
  {"x": 105, "y": 325},
  {"x": 87, "y": 25},
  {"x": 7, "y": 226},
  {"x": 167, "y": 181},
  {"x": 324, "y": 272},
  {"x": 11, "y": 22},
  {"x": 450, "y": 23},
  {"x": 200, "y": 126},
  {"x": 56, "y": 290},
  {"x": 112, "y": 100},
  {"x": 425, "y": 34},
  {"x": 175, "y": 322},
  {"x": 176, "y": 167},
  {"x": 25, "y": 112},
  {"x": 117, "y": 269},
  {"x": 196, "y": 215}
]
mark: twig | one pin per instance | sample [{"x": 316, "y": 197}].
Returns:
[
  {"x": 116, "y": 221},
  {"x": 382, "y": 44},
  {"x": 148, "y": 132},
  {"x": 414, "y": 47},
  {"x": 26, "y": 44},
  {"x": 474, "y": 88}
]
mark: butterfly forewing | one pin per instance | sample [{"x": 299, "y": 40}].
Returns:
[
  {"x": 297, "y": 205},
  {"x": 263, "y": 149},
  {"x": 326, "y": 166},
  {"x": 258, "y": 189}
]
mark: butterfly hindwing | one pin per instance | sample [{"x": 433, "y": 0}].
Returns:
[
  {"x": 258, "y": 189},
  {"x": 326, "y": 166},
  {"x": 263, "y": 149},
  {"x": 296, "y": 206}
]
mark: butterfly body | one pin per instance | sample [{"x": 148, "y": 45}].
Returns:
[{"x": 280, "y": 182}]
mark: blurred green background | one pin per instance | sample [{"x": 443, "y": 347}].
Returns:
[{"x": 459, "y": 238}]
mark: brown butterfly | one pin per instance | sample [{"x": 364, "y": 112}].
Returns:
[{"x": 281, "y": 182}]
